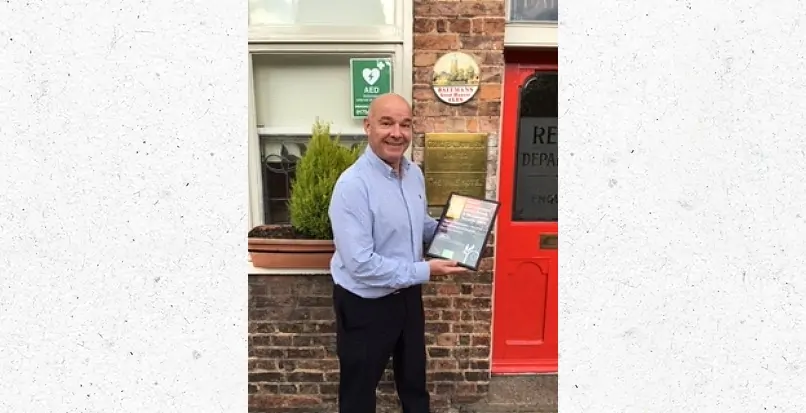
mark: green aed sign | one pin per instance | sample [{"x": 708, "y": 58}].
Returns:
[{"x": 370, "y": 78}]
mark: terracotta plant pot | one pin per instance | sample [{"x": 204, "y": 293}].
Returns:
[{"x": 291, "y": 253}]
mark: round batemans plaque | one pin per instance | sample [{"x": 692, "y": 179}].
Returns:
[{"x": 456, "y": 78}]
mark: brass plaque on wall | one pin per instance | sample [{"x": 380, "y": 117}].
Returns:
[{"x": 454, "y": 162}]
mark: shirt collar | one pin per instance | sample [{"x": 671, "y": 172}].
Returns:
[{"x": 384, "y": 167}]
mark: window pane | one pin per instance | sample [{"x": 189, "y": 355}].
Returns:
[
  {"x": 533, "y": 10},
  {"x": 292, "y": 91},
  {"x": 322, "y": 12},
  {"x": 279, "y": 156},
  {"x": 536, "y": 172}
]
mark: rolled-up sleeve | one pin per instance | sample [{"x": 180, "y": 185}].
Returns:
[{"x": 351, "y": 220}]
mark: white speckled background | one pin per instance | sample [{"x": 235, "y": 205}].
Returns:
[
  {"x": 684, "y": 227},
  {"x": 123, "y": 207},
  {"x": 123, "y": 200}
]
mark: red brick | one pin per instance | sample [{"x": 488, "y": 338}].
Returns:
[
  {"x": 442, "y": 26},
  {"x": 488, "y": 123},
  {"x": 425, "y": 59},
  {"x": 451, "y": 315},
  {"x": 489, "y": 108},
  {"x": 305, "y": 377},
  {"x": 481, "y": 340},
  {"x": 462, "y": 328},
  {"x": 426, "y": 108},
  {"x": 489, "y": 92},
  {"x": 438, "y": 327},
  {"x": 491, "y": 58},
  {"x": 447, "y": 289},
  {"x": 447, "y": 340},
  {"x": 482, "y": 290},
  {"x": 482, "y": 9},
  {"x": 265, "y": 401},
  {"x": 464, "y": 340},
  {"x": 493, "y": 25},
  {"x": 437, "y": 8},
  {"x": 491, "y": 74},
  {"x": 481, "y": 42},
  {"x": 446, "y": 41},
  {"x": 460, "y": 25},
  {"x": 471, "y": 303},
  {"x": 422, "y": 76},
  {"x": 482, "y": 315},
  {"x": 437, "y": 302},
  {"x": 424, "y": 25},
  {"x": 443, "y": 364},
  {"x": 439, "y": 352},
  {"x": 454, "y": 124},
  {"x": 469, "y": 109}
]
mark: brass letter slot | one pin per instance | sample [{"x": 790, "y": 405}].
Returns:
[{"x": 548, "y": 241}]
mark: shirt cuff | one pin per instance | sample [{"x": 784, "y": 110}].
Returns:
[{"x": 422, "y": 272}]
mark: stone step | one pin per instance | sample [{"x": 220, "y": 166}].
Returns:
[
  {"x": 505, "y": 408},
  {"x": 537, "y": 390},
  {"x": 518, "y": 394}
]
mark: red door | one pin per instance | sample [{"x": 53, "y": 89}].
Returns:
[{"x": 525, "y": 284}]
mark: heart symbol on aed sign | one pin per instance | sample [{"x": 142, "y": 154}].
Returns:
[{"x": 371, "y": 75}]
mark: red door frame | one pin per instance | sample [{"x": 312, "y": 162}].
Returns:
[{"x": 511, "y": 354}]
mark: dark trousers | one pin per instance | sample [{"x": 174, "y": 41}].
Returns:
[{"x": 368, "y": 332}]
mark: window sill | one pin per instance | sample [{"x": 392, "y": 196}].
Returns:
[
  {"x": 530, "y": 35},
  {"x": 324, "y": 34},
  {"x": 252, "y": 270}
]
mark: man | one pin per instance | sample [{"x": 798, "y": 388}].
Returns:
[{"x": 380, "y": 223}]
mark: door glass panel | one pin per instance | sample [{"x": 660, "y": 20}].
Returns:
[
  {"x": 536, "y": 172},
  {"x": 533, "y": 10}
]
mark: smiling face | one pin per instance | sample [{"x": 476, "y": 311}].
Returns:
[{"x": 389, "y": 128}]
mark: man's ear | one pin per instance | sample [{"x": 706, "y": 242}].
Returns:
[{"x": 366, "y": 125}]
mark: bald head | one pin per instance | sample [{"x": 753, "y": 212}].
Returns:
[
  {"x": 389, "y": 99},
  {"x": 388, "y": 126}
]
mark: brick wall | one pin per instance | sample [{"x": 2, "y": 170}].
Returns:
[
  {"x": 475, "y": 28},
  {"x": 292, "y": 360},
  {"x": 461, "y": 324}
]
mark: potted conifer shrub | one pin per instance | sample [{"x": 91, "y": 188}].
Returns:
[{"x": 308, "y": 241}]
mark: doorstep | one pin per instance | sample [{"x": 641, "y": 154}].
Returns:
[{"x": 518, "y": 394}]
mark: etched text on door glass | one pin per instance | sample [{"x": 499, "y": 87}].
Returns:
[{"x": 536, "y": 171}]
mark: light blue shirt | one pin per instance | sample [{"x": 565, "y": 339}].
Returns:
[{"x": 380, "y": 223}]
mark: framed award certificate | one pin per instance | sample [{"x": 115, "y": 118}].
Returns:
[{"x": 463, "y": 230}]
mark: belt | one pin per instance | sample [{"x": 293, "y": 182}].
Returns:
[
  {"x": 395, "y": 292},
  {"x": 400, "y": 290}
]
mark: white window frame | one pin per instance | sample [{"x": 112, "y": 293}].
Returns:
[
  {"x": 325, "y": 34},
  {"x": 396, "y": 41},
  {"x": 528, "y": 34},
  {"x": 400, "y": 32}
]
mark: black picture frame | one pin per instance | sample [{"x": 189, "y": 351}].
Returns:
[{"x": 440, "y": 235}]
